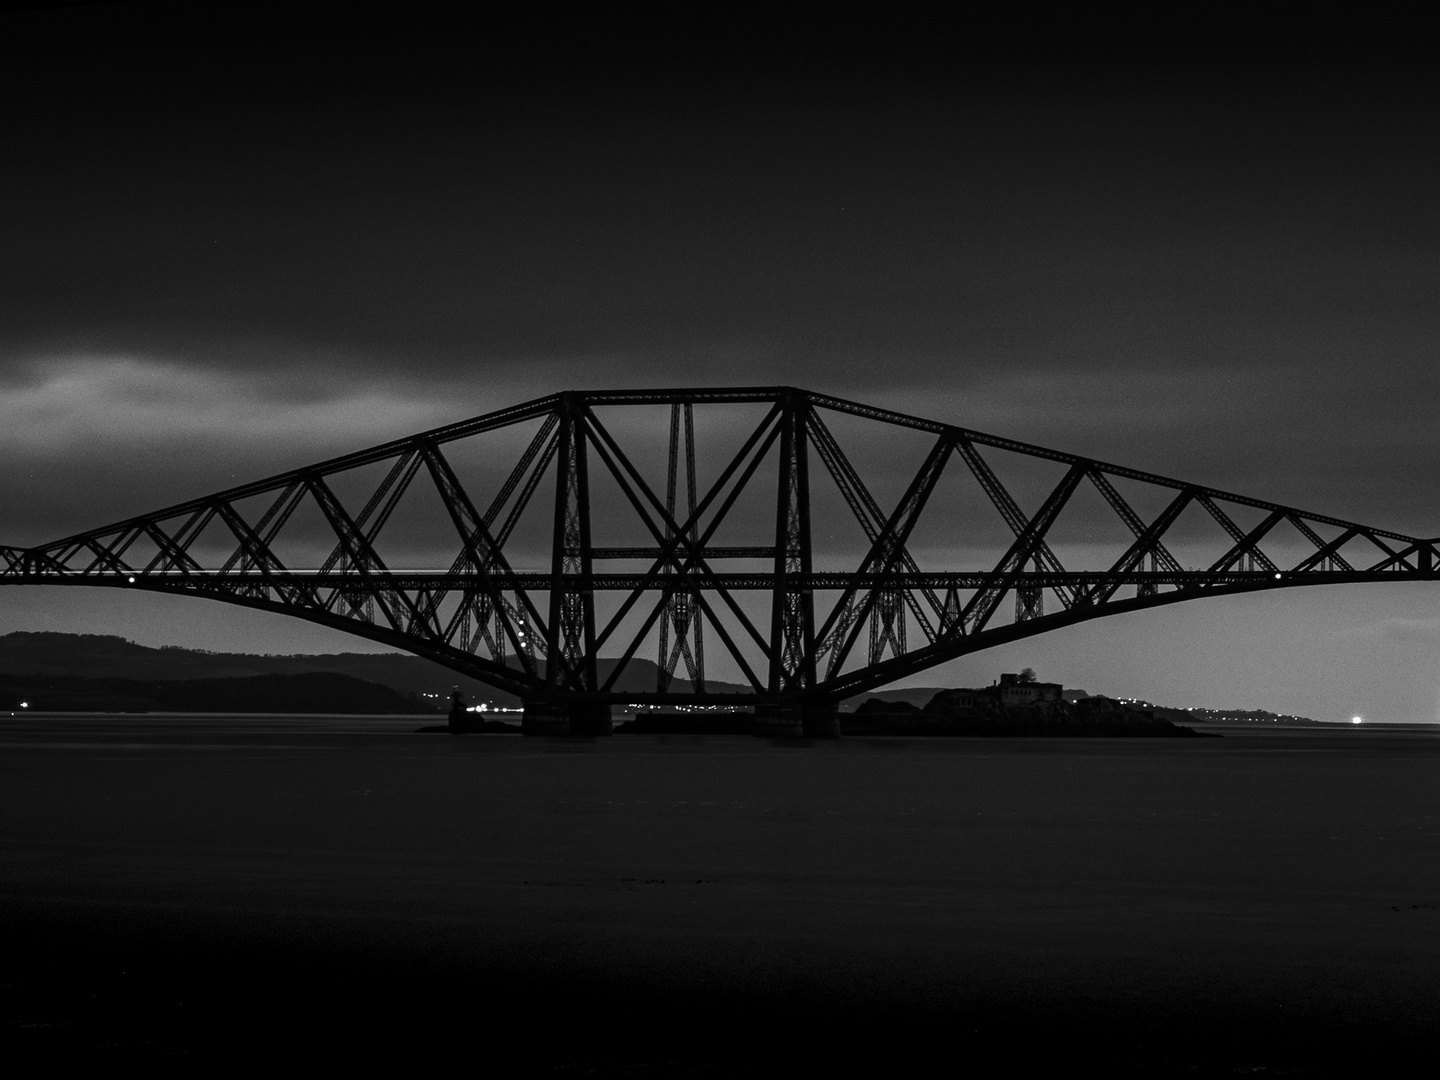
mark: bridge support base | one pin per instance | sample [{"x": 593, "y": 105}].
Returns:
[
  {"x": 572, "y": 718},
  {"x": 792, "y": 722},
  {"x": 462, "y": 722},
  {"x": 822, "y": 722}
]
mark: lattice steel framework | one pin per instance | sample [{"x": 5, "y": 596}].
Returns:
[{"x": 539, "y": 628}]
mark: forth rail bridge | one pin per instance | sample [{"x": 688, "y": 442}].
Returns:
[{"x": 590, "y": 523}]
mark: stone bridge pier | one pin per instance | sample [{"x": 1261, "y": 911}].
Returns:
[{"x": 567, "y": 718}]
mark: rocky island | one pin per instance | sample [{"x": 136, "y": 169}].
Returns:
[{"x": 1018, "y": 704}]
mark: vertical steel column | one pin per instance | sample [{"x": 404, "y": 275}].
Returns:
[
  {"x": 887, "y": 625},
  {"x": 1147, "y": 588},
  {"x": 697, "y": 676},
  {"x": 681, "y": 610},
  {"x": 664, "y": 670},
  {"x": 571, "y": 645},
  {"x": 792, "y": 619},
  {"x": 523, "y": 630},
  {"x": 1029, "y": 599},
  {"x": 950, "y": 622}
]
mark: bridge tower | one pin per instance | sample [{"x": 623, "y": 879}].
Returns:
[
  {"x": 570, "y": 671},
  {"x": 792, "y": 611},
  {"x": 682, "y": 604}
]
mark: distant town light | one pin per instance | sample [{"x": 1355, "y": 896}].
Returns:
[
  {"x": 24, "y": 704},
  {"x": 1357, "y": 719}
]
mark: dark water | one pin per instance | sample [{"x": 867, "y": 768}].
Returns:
[{"x": 214, "y": 890}]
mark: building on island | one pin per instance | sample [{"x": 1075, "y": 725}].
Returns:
[
  {"x": 1018, "y": 704},
  {"x": 1016, "y": 693}
]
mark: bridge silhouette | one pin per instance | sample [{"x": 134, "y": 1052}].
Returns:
[{"x": 606, "y": 529}]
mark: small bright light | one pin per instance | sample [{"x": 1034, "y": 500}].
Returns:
[
  {"x": 1357, "y": 719},
  {"x": 24, "y": 704},
  {"x": 132, "y": 581},
  {"x": 1277, "y": 577}
]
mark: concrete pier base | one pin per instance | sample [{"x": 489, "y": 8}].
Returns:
[
  {"x": 576, "y": 718},
  {"x": 591, "y": 720},
  {"x": 777, "y": 723},
  {"x": 822, "y": 723},
  {"x": 815, "y": 722},
  {"x": 462, "y": 722},
  {"x": 543, "y": 718}
]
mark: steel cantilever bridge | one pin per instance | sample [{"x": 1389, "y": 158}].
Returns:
[{"x": 571, "y": 535}]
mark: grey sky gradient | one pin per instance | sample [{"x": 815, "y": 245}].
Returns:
[{"x": 235, "y": 243}]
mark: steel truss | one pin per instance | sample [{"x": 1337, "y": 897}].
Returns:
[{"x": 538, "y": 631}]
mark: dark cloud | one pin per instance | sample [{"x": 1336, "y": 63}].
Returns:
[{"x": 481, "y": 193}]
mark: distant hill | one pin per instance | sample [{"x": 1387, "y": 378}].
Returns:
[
  {"x": 309, "y": 692},
  {"x": 919, "y": 696},
  {"x": 101, "y": 656}
]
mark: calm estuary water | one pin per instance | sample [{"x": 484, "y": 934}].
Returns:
[{"x": 208, "y": 889}]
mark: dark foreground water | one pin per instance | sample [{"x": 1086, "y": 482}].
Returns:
[{"x": 210, "y": 891}]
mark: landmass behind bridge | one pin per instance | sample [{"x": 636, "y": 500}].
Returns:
[{"x": 52, "y": 671}]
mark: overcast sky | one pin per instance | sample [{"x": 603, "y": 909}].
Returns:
[{"x": 235, "y": 244}]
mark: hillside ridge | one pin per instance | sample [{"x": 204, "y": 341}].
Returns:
[{"x": 98, "y": 656}]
